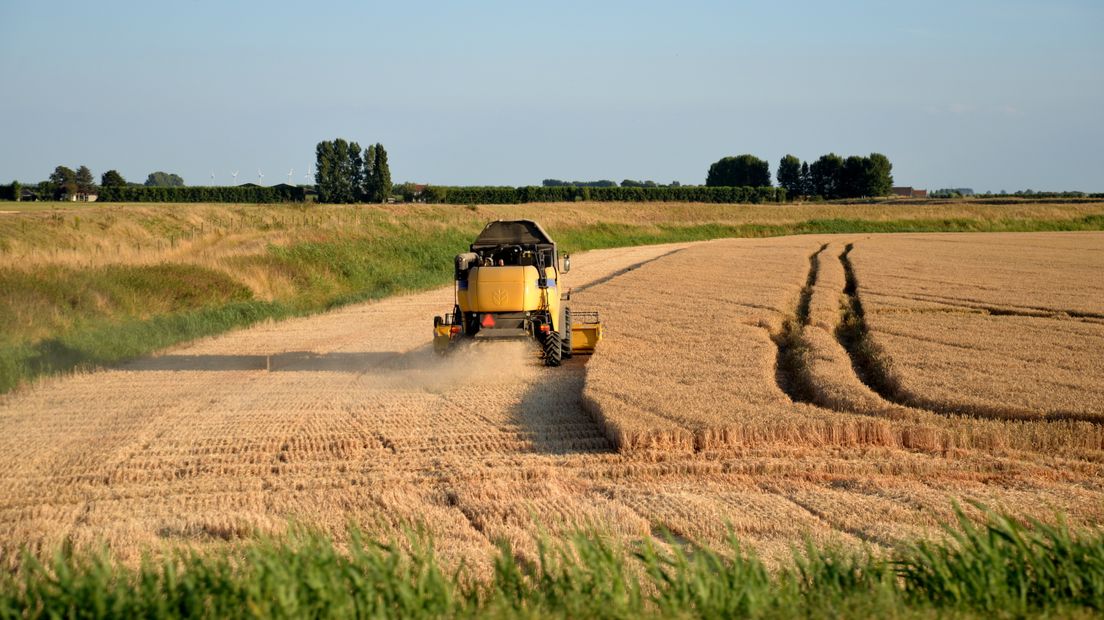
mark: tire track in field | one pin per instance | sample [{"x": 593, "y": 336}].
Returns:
[
  {"x": 871, "y": 367},
  {"x": 854, "y": 335},
  {"x": 791, "y": 348}
]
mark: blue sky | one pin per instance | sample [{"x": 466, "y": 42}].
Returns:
[{"x": 994, "y": 95}]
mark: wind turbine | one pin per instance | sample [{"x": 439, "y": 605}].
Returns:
[
  {"x": 309, "y": 174},
  {"x": 260, "y": 177},
  {"x": 290, "y": 172},
  {"x": 235, "y": 175},
  {"x": 212, "y": 177}
]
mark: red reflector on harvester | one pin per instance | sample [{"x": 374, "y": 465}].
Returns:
[
  {"x": 488, "y": 320},
  {"x": 455, "y": 329},
  {"x": 545, "y": 328}
]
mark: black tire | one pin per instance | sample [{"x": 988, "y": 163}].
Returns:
[
  {"x": 553, "y": 349},
  {"x": 565, "y": 338}
]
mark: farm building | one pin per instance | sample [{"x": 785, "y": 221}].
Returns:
[{"x": 909, "y": 192}]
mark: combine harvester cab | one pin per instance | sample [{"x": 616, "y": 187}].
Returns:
[{"x": 507, "y": 287}]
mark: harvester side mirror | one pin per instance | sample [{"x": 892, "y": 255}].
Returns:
[{"x": 567, "y": 263}]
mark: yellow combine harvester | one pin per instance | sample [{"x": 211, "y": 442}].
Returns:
[{"x": 507, "y": 286}]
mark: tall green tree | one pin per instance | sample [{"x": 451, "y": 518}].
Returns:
[
  {"x": 371, "y": 182},
  {"x": 86, "y": 183},
  {"x": 354, "y": 169},
  {"x": 326, "y": 171},
  {"x": 338, "y": 170},
  {"x": 164, "y": 179},
  {"x": 344, "y": 173},
  {"x": 824, "y": 176},
  {"x": 382, "y": 173},
  {"x": 789, "y": 175},
  {"x": 112, "y": 178},
  {"x": 852, "y": 178},
  {"x": 879, "y": 175},
  {"x": 806, "y": 181},
  {"x": 62, "y": 182},
  {"x": 742, "y": 170}
]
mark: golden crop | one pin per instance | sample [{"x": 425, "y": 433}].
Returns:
[
  {"x": 678, "y": 423},
  {"x": 1005, "y": 326}
]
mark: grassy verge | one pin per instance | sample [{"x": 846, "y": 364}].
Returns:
[
  {"x": 1000, "y": 568},
  {"x": 96, "y": 286},
  {"x": 608, "y": 235},
  {"x": 74, "y": 318}
]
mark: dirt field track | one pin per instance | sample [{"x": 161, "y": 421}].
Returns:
[{"x": 915, "y": 369}]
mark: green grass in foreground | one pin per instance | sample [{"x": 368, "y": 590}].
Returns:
[
  {"x": 107, "y": 315},
  {"x": 999, "y": 569}
]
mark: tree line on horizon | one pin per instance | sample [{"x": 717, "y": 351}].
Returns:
[
  {"x": 829, "y": 177},
  {"x": 345, "y": 174},
  {"x": 64, "y": 181},
  {"x": 606, "y": 183},
  {"x": 348, "y": 174}
]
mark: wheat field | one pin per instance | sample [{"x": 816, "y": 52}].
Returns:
[
  {"x": 1005, "y": 326},
  {"x": 684, "y": 421}
]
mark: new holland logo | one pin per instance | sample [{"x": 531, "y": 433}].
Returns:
[{"x": 499, "y": 297}]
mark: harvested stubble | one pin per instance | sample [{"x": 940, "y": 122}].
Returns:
[
  {"x": 1006, "y": 326},
  {"x": 1040, "y": 274},
  {"x": 720, "y": 390},
  {"x": 681, "y": 328},
  {"x": 347, "y": 417}
]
